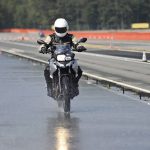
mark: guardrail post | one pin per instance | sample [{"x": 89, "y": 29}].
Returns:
[
  {"x": 87, "y": 77},
  {"x": 97, "y": 82},
  {"x": 140, "y": 96},
  {"x": 123, "y": 90},
  {"x": 108, "y": 85}
]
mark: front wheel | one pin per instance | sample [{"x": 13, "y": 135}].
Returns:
[{"x": 66, "y": 95}]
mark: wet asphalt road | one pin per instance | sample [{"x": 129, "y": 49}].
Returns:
[
  {"x": 126, "y": 54},
  {"x": 99, "y": 120}
]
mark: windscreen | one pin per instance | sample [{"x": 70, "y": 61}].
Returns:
[{"x": 62, "y": 49}]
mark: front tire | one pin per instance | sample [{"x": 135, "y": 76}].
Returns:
[{"x": 66, "y": 95}]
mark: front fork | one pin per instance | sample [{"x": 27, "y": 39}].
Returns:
[{"x": 60, "y": 79}]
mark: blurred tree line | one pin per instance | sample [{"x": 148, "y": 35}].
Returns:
[{"x": 81, "y": 14}]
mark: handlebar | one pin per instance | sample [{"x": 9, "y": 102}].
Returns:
[
  {"x": 50, "y": 48},
  {"x": 47, "y": 51}
]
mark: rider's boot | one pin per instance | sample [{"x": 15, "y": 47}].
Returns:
[
  {"x": 48, "y": 81},
  {"x": 49, "y": 89},
  {"x": 76, "y": 89},
  {"x": 76, "y": 82}
]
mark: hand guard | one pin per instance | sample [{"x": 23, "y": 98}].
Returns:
[
  {"x": 81, "y": 48},
  {"x": 43, "y": 50}
]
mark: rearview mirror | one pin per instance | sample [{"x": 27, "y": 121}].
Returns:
[
  {"x": 83, "y": 40},
  {"x": 40, "y": 42}
]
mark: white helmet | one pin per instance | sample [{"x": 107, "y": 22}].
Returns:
[{"x": 61, "y": 27}]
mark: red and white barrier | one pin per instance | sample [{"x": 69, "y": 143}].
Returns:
[{"x": 107, "y": 35}]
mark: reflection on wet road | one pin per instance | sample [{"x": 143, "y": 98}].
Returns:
[
  {"x": 99, "y": 119},
  {"x": 66, "y": 129}
]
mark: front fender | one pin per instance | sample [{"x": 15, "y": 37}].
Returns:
[
  {"x": 53, "y": 67},
  {"x": 75, "y": 66}
]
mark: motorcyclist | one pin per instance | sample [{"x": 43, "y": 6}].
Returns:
[{"x": 60, "y": 36}]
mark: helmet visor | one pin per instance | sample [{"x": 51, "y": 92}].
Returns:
[{"x": 61, "y": 30}]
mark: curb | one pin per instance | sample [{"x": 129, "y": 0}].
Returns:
[{"x": 140, "y": 91}]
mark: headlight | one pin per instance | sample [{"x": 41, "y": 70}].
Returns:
[
  {"x": 63, "y": 58},
  {"x": 68, "y": 58}
]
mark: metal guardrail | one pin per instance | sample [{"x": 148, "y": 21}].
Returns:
[
  {"x": 140, "y": 91},
  {"x": 123, "y": 86}
]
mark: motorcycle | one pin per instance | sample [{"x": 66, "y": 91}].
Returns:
[{"x": 63, "y": 71}]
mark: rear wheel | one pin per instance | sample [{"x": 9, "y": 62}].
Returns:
[{"x": 66, "y": 95}]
